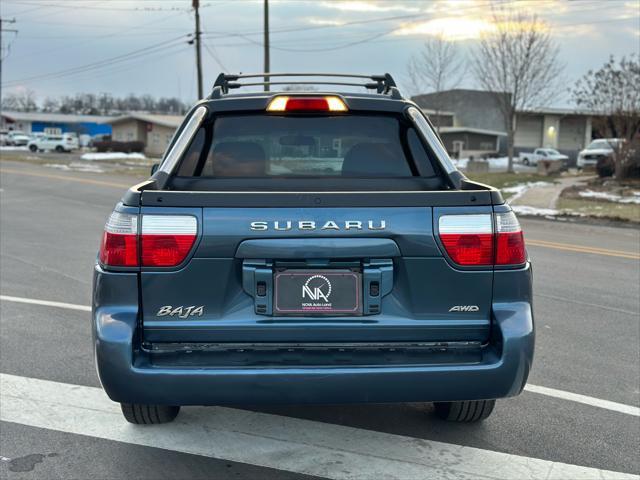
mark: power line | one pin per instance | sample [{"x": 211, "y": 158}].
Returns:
[
  {"x": 215, "y": 57},
  {"x": 476, "y": 7},
  {"x": 121, "y": 9},
  {"x": 104, "y": 72},
  {"x": 354, "y": 22},
  {"x": 101, "y": 63},
  {"x": 106, "y": 35},
  {"x": 213, "y": 53}
]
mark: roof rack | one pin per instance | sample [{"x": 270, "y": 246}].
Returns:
[{"x": 383, "y": 84}]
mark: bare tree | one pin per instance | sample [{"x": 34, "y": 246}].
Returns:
[
  {"x": 613, "y": 93},
  {"x": 518, "y": 60},
  {"x": 438, "y": 66},
  {"x": 50, "y": 105},
  {"x": 23, "y": 101}
]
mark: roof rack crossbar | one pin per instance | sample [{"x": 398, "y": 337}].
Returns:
[
  {"x": 370, "y": 86},
  {"x": 383, "y": 83}
]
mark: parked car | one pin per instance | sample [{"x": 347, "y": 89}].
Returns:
[
  {"x": 17, "y": 138},
  {"x": 601, "y": 149},
  {"x": 246, "y": 271},
  {"x": 532, "y": 158},
  {"x": 134, "y": 146},
  {"x": 66, "y": 142},
  {"x": 99, "y": 138}
]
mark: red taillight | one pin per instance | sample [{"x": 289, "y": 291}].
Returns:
[
  {"x": 167, "y": 239},
  {"x": 510, "y": 248},
  {"x": 119, "y": 247},
  {"x": 307, "y": 104},
  {"x": 470, "y": 249},
  {"x": 470, "y": 240},
  {"x": 326, "y": 103},
  {"x": 164, "y": 240}
]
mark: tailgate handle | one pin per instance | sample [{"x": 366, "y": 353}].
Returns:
[{"x": 302, "y": 248}]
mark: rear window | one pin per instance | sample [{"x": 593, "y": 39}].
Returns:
[{"x": 302, "y": 146}]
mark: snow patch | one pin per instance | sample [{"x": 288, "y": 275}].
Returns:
[
  {"x": 519, "y": 189},
  {"x": 6, "y": 148},
  {"x": 499, "y": 164},
  {"x": 75, "y": 167},
  {"x": 113, "y": 156},
  {"x": 543, "y": 212},
  {"x": 534, "y": 211},
  {"x": 610, "y": 197}
]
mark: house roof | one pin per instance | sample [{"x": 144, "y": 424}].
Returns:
[
  {"x": 53, "y": 117},
  {"x": 471, "y": 94},
  {"x": 471, "y": 130},
  {"x": 171, "y": 121},
  {"x": 430, "y": 111},
  {"x": 558, "y": 111}
]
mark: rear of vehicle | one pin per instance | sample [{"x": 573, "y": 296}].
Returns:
[
  {"x": 311, "y": 249},
  {"x": 69, "y": 142}
]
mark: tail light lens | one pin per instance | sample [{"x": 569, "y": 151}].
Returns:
[
  {"x": 163, "y": 240},
  {"x": 510, "y": 249},
  {"x": 325, "y": 103},
  {"x": 167, "y": 239},
  {"x": 470, "y": 240},
  {"x": 119, "y": 247}
]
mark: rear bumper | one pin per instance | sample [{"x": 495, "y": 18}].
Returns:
[{"x": 128, "y": 376}]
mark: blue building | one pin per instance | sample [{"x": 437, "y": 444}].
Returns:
[{"x": 55, "y": 123}]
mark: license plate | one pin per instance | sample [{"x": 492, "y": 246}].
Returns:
[{"x": 317, "y": 292}]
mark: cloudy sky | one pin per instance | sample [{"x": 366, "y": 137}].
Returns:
[{"x": 128, "y": 46}]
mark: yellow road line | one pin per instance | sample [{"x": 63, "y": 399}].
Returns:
[
  {"x": 67, "y": 178},
  {"x": 583, "y": 249}
]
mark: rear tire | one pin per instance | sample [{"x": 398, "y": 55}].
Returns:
[
  {"x": 525, "y": 161},
  {"x": 466, "y": 411},
  {"x": 142, "y": 414},
  {"x": 59, "y": 149},
  {"x": 33, "y": 148}
]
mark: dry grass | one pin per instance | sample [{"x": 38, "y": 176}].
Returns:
[
  {"x": 501, "y": 179},
  {"x": 604, "y": 209}
]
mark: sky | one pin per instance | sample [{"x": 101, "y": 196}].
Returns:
[{"x": 65, "y": 47}]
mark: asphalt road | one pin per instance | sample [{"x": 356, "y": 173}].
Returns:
[{"x": 587, "y": 304}]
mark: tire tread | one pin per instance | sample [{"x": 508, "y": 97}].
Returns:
[
  {"x": 465, "y": 411},
  {"x": 142, "y": 414}
]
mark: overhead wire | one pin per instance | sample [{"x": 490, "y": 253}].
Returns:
[{"x": 98, "y": 64}]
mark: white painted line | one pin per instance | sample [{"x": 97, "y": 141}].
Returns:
[
  {"x": 576, "y": 397},
  {"x": 551, "y": 392},
  {"x": 46, "y": 303},
  {"x": 283, "y": 443}
]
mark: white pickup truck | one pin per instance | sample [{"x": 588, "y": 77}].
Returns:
[{"x": 531, "y": 158}]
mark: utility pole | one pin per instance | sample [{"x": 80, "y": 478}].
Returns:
[
  {"x": 266, "y": 43},
  {"x": 13, "y": 20},
  {"x": 196, "y": 6}
]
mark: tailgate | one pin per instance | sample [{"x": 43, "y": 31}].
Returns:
[{"x": 385, "y": 260}]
